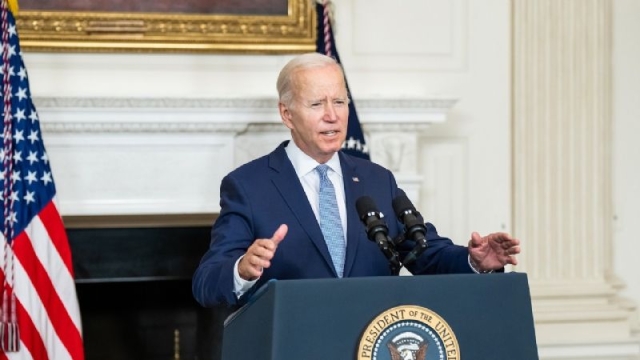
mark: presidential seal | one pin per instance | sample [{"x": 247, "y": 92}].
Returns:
[{"x": 408, "y": 332}]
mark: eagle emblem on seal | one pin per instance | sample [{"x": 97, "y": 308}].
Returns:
[{"x": 408, "y": 346}]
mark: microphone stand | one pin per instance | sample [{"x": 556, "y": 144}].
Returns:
[{"x": 377, "y": 232}]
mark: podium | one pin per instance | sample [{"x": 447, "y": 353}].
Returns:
[{"x": 471, "y": 316}]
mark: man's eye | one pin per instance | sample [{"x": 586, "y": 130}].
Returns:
[
  {"x": 315, "y": 105},
  {"x": 339, "y": 102}
]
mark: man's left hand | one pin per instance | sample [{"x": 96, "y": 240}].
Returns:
[{"x": 494, "y": 251}]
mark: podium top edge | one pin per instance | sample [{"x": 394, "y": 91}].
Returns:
[{"x": 382, "y": 281}]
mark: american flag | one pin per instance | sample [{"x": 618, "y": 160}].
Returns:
[
  {"x": 40, "y": 316},
  {"x": 355, "y": 143}
]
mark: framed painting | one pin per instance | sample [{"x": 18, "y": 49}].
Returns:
[{"x": 225, "y": 26}]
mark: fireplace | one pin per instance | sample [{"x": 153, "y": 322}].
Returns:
[{"x": 133, "y": 279}]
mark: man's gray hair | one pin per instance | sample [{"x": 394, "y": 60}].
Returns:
[{"x": 301, "y": 62}]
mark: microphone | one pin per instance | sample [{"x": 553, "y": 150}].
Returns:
[
  {"x": 377, "y": 230},
  {"x": 413, "y": 224}
]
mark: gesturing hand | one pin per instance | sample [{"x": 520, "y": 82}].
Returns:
[
  {"x": 493, "y": 251},
  {"x": 259, "y": 255}
]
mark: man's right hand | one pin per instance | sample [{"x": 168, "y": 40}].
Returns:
[{"x": 259, "y": 255}]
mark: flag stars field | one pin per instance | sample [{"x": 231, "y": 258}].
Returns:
[
  {"x": 29, "y": 197},
  {"x": 31, "y": 177},
  {"x": 19, "y": 115},
  {"x": 33, "y": 136},
  {"x": 15, "y": 176},
  {"x": 32, "y": 158},
  {"x": 46, "y": 178},
  {"x": 22, "y": 73},
  {"x": 21, "y": 94},
  {"x": 18, "y": 136}
]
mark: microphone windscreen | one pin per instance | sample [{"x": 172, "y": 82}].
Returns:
[
  {"x": 401, "y": 203},
  {"x": 365, "y": 205}
]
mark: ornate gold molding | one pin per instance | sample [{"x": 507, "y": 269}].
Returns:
[{"x": 146, "y": 32}]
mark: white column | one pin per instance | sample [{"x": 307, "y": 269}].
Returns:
[{"x": 562, "y": 125}]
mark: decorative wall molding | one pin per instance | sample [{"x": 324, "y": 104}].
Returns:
[
  {"x": 137, "y": 156},
  {"x": 128, "y": 127},
  {"x": 189, "y": 115},
  {"x": 150, "y": 103},
  {"x": 406, "y": 105}
]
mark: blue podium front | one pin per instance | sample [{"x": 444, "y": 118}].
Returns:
[{"x": 444, "y": 317}]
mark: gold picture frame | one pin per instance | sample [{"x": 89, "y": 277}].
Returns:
[{"x": 100, "y": 31}]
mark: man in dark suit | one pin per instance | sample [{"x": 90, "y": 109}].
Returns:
[{"x": 272, "y": 225}]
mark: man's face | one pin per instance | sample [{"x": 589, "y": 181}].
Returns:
[{"x": 319, "y": 113}]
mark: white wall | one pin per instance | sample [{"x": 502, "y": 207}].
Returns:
[
  {"x": 626, "y": 144},
  {"x": 152, "y": 75},
  {"x": 452, "y": 49}
]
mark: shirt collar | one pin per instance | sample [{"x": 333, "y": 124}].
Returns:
[{"x": 304, "y": 164}]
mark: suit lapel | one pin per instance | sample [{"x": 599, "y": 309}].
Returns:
[
  {"x": 289, "y": 187},
  {"x": 352, "y": 190}
]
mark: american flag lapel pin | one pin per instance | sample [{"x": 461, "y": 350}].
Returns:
[{"x": 355, "y": 179}]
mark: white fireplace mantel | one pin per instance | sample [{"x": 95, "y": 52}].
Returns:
[{"x": 125, "y": 156}]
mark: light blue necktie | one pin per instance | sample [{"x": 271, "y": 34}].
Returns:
[{"x": 330, "y": 222}]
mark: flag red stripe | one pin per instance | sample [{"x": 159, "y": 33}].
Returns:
[
  {"x": 53, "y": 222},
  {"x": 29, "y": 334},
  {"x": 68, "y": 333}
]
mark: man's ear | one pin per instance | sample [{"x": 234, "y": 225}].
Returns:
[{"x": 285, "y": 115}]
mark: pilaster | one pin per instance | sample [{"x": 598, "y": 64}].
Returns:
[{"x": 562, "y": 123}]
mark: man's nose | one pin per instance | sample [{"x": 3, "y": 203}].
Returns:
[{"x": 330, "y": 112}]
